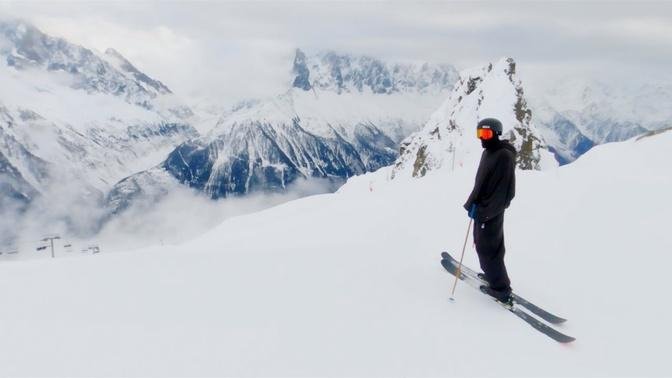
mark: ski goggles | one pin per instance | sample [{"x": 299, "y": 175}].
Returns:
[{"x": 484, "y": 134}]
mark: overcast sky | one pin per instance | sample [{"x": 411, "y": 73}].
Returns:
[{"x": 228, "y": 50}]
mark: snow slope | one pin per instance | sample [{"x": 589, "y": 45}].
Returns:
[{"x": 350, "y": 284}]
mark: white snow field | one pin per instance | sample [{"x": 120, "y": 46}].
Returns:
[{"x": 350, "y": 284}]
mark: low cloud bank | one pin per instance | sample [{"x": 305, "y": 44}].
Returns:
[{"x": 76, "y": 218}]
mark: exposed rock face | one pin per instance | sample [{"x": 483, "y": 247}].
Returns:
[{"x": 302, "y": 79}]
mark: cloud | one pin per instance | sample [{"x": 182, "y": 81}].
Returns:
[
  {"x": 224, "y": 51},
  {"x": 77, "y": 215},
  {"x": 184, "y": 214}
]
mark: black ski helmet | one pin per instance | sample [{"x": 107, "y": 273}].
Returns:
[{"x": 490, "y": 123}]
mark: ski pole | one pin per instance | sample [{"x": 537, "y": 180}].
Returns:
[{"x": 459, "y": 268}]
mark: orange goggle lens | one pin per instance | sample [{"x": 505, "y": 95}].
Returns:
[{"x": 484, "y": 133}]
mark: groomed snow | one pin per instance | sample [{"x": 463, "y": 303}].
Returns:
[{"x": 350, "y": 284}]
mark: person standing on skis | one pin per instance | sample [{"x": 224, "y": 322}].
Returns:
[{"x": 493, "y": 191}]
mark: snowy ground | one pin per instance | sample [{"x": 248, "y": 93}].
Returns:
[{"x": 350, "y": 284}]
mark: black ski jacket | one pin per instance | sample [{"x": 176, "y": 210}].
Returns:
[{"x": 495, "y": 184}]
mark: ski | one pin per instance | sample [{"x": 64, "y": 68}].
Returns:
[
  {"x": 547, "y": 316},
  {"x": 534, "y": 322},
  {"x": 542, "y": 327}
]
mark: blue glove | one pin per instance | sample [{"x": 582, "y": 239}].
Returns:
[{"x": 472, "y": 211}]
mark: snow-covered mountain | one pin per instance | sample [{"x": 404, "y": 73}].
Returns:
[
  {"x": 578, "y": 113},
  {"x": 564, "y": 138},
  {"x": 448, "y": 138},
  {"x": 24, "y": 47},
  {"x": 75, "y": 121},
  {"x": 345, "y": 73},
  {"x": 343, "y": 116},
  {"x": 21, "y": 176}
]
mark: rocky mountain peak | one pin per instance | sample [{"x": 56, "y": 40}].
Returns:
[
  {"x": 341, "y": 73},
  {"x": 124, "y": 65},
  {"x": 23, "y": 46},
  {"x": 301, "y": 72},
  {"x": 489, "y": 91}
]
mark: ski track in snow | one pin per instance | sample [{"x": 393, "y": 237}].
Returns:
[{"x": 351, "y": 284}]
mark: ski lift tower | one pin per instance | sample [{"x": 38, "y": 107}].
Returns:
[{"x": 51, "y": 240}]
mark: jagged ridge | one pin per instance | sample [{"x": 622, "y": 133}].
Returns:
[
  {"x": 345, "y": 73},
  {"x": 489, "y": 91}
]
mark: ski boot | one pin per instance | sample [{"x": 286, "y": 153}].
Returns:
[{"x": 503, "y": 299}]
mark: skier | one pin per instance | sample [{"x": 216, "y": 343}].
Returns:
[{"x": 493, "y": 191}]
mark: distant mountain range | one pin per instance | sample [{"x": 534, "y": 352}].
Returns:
[
  {"x": 343, "y": 116},
  {"x": 346, "y": 74},
  {"x": 83, "y": 128},
  {"x": 578, "y": 114}
]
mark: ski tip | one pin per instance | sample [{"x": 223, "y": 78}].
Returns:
[
  {"x": 447, "y": 265},
  {"x": 445, "y": 255},
  {"x": 566, "y": 339}
]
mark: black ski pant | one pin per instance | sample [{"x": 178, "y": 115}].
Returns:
[{"x": 489, "y": 240}]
